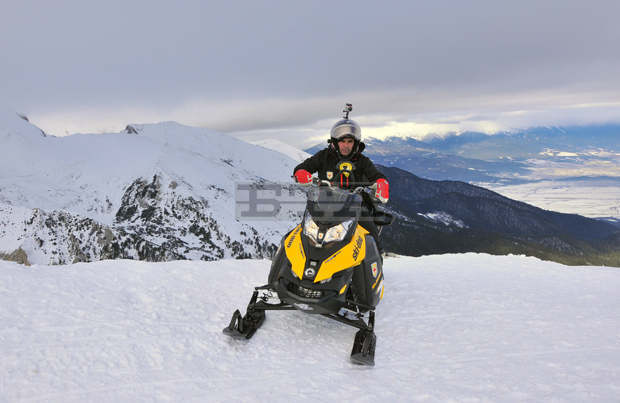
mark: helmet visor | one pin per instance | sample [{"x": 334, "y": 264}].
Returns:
[{"x": 346, "y": 130}]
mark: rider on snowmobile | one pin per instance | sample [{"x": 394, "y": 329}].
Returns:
[
  {"x": 329, "y": 264},
  {"x": 343, "y": 164}
]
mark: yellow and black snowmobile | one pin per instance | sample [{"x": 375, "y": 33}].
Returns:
[{"x": 328, "y": 265}]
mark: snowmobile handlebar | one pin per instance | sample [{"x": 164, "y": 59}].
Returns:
[
  {"x": 359, "y": 185},
  {"x": 362, "y": 187},
  {"x": 323, "y": 182}
]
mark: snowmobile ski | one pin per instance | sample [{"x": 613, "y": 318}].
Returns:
[
  {"x": 363, "y": 352},
  {"x": 244, "y": 327}
]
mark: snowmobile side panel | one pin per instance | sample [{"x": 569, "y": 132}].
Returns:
[
  {"x": 368, "y": 277},
  {"x": 279, "y": 263}
]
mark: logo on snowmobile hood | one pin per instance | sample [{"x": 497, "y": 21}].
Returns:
[
  {"x": 292, "y": 238},
  {"x": 356, "y": 248},
  {"x": 294, "y": 251}
]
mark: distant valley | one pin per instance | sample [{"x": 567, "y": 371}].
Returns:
[{"x": 569, "y": 169}]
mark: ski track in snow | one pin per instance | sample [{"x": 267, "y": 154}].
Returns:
[{"x": 467, "y": 327}]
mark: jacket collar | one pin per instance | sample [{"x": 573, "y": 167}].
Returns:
[{"x": 353, "y": 157}]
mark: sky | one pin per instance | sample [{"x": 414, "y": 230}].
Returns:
[{"x": 284, "y": 69}]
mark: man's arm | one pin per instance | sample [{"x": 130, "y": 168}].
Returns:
[
  {"x": 312, "y": 164},
  {"x": 371, "y": 172},
  {"x": 382, "y": 191}
]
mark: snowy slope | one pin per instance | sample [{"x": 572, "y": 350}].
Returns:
[
  {"x": 174, "y": 185},
  {"x": 88, "y": 173},
  {"x": 281, "y": 147},
  {"x": 450, "y": 328}
]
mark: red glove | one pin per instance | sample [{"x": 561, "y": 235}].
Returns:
[
  {"x": 383, "y": 190},
  {"x": 302, "y": 176}
]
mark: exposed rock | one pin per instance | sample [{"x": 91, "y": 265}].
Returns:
[
  {"x": 18, "y": 255},
  {"x": 129, "y": 129}
]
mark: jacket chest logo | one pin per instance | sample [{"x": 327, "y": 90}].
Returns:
[
  {"x": 346, "y": 168},
  {"x": 330, "y": 175}
]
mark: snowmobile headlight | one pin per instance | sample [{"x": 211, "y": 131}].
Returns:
[
  {"x": 311, "y": 230},
  {"x": 338, "y": 233}
]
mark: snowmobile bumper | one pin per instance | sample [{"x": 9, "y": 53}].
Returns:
[{"x": 329, "y": 301}]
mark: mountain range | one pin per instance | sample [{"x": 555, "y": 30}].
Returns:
[
  {"x": 504, "y": 158},
  {"x": 167, "y": 191},
  {"x": 437, "y": 217}
]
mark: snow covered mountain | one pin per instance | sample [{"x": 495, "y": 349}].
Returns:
[
  {"x": 451, "y": 216},
  {"x": 533, "y": 142},
  {"x": 153, "y": 192},
  {"x": 533, "y": 154},
  {"x": 450, "y": 328},
  {"x": 166, "y": 191}
]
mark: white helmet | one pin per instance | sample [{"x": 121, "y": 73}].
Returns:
[{"x": 346, "y": 128}]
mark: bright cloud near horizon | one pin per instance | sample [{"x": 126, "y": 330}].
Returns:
[{"x": 284, "y": 69}]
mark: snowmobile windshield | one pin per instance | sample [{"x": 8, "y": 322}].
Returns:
[{"x": 330, "y": 206}]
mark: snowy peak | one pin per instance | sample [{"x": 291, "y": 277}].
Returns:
[
  {"x": 83, "y": 172},
  {"x": 162, "y": 190},
  {"x": 17, "y": 126}
]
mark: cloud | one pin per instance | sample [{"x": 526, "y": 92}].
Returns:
[
  {"x": 276, "y": 67},
  {"x": 306, "y": 122}
]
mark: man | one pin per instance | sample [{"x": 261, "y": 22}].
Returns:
[{"x": 343, "y": 164}]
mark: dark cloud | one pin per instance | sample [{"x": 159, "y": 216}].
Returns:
[{"x": 238, "y": 66}]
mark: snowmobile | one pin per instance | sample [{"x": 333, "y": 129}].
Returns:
[{"x": 327, "y": 265}]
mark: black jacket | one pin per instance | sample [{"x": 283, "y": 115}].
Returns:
[{"x": 327, "y": 161}]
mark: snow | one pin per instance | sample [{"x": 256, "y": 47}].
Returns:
[
  {"x": 591, "y": 198},
  {"x": 469, "y": 327},
  {"x": 87, "y": 174},
  {"x": 567, "y": 167},
  {"x": 281, "y": 147},
  {"x": 10, "y": 216},
  {"x": 443, "y": 218}
]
